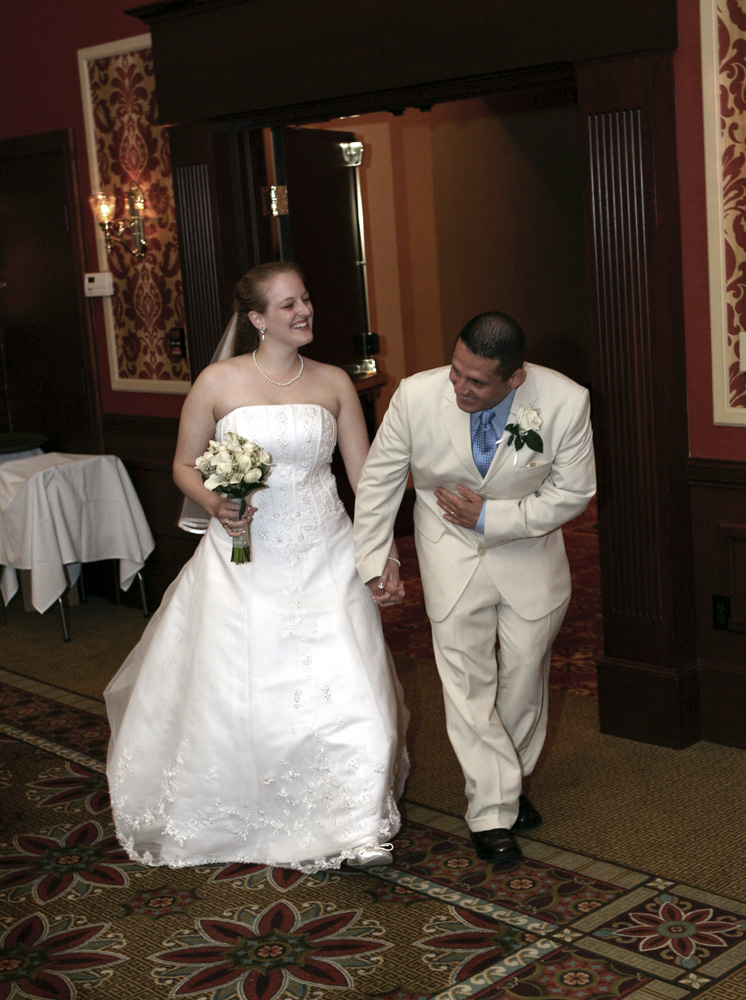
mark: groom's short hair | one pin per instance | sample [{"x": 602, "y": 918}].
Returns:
[{"x": 497, "y": 337}]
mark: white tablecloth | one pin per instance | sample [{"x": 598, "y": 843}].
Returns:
[{"x": 58, "y": 511}]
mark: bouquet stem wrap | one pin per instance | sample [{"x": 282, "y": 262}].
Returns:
[{"x": 242, "y": 543}]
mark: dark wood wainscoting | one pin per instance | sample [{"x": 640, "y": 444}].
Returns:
[
  {"x": 719, "y": 525},
  {"x": 146, "y": 445}
]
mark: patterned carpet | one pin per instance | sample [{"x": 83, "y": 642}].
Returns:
[{"x": 79, "y": 920}]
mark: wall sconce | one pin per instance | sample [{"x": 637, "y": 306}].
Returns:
[{"x": 128, "y": 232}]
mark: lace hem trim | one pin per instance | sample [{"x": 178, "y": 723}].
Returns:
[{"x": 387, "y": 829}]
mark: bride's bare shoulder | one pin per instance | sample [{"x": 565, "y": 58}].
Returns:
[
  {"x": 330, "y": 375},
  {"x": 220, "y": 372},
  {"x": 215, "y": 382}
]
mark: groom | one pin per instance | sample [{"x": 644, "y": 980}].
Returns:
[{"x": 501, "y": 456}]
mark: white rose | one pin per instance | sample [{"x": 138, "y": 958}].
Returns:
[
  {"x": 528, "y": 419},
  {"x": 264, "y": 457},
  {"x": 253, "y": 476},
  {"x": 224, "y": 468}
]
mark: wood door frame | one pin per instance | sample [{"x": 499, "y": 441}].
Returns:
[{"x": 63, "y": 142}]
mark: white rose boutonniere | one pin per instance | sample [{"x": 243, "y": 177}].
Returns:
[{"x": 528, "y": 421}]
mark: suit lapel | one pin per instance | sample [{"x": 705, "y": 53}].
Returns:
[
  {"x": 458, "y": 425},
  {"x": 524, "y": 394}
]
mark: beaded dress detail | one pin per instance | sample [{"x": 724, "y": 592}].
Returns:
[{"x": 259, "y": 718}]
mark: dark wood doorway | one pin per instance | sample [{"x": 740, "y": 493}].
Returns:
[
  {"x": 321, "y": 233},
  {"x": 619, "y": 60},
  {"x": 47, "y": 383}
]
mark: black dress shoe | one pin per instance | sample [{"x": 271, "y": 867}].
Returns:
[
  {"x": 497, "y": 846},
  {"x": 528, "y": 817}
]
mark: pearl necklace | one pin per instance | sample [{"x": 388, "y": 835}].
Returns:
[{"x": 264, "y": 375}]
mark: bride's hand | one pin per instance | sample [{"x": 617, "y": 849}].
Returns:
[
  {"x": 388, "y": 589},
  {"x": 227, "y": 513}
]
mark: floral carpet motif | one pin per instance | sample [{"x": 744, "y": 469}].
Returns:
[
  {"x": 580, "y": 641},
  {"x": 77, "y": 919},
  {"x": 277, "y": 952}
]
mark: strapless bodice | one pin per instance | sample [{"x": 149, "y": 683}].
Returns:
[{"x": 301, "y": 502}]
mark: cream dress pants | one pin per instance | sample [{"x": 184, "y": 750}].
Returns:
[{"x": 496, "y": 721}]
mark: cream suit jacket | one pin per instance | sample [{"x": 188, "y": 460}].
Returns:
[{"x": 529, "y": 494}]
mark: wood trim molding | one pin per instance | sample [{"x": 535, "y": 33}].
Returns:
[
  {"x": 636, "y": 307},
  {"x": 715, "y": 472},
  {"x": 718, "y": 491},
  {"x": 648, "y": 686},
  {"x": 647, "y": 703},
  {"x": 385, "y": 48},
  {"x": 199, "y": 262}
]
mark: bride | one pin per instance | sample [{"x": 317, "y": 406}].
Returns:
[{"x": 259, "y": 718}]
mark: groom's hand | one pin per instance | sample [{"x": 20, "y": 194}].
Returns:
[
  {"x": 462, "y": 508},
  {"x": 386, "y": 592}
]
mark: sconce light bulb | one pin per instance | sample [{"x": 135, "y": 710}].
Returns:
[
  {"x": 127, "y": 232},
  {"x": 103, "y": 206}
]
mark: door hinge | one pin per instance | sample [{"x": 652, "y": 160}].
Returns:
[
  {"x": 352, "y": 153},
  {"x": 275, "y": 200}
]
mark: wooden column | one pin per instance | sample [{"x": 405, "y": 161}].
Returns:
[
  {"x": 648, "y": 684},
  {"x": 217, "y": 177}
]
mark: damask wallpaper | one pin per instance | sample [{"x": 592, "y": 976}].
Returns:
[
  {"x": 732, "y": 59},
  {"x": 148, "y": 297}
]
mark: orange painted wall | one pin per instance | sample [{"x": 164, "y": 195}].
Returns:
[{"x": 468, "y": 210}]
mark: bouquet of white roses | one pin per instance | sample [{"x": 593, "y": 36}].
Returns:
[{"x": 235, "y": 468}]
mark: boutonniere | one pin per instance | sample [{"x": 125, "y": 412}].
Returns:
[{"x": 528, "y": 421}]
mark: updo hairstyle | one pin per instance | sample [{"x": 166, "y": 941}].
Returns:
[{"x": 251, "y": 296}]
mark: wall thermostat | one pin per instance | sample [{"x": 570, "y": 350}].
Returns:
[{"x": 99, "y": 283}]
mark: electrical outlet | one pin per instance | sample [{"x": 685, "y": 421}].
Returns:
[
  {"x": 177, "y": 342},
  {"x": 99, "y": 284}
]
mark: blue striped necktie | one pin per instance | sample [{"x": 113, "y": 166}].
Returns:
[{"x": 484, "y": 443}]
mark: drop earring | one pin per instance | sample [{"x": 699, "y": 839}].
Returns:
[{"x": 262, "y": 332}]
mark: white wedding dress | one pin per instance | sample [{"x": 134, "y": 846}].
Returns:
[{"x": 259, "y": 719}]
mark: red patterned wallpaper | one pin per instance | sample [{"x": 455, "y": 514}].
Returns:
[
  {"x": 732, "y": 57},
  {"x": 131, "y": 147}
]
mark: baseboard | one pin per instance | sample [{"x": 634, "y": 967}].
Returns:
[
  {"x": 722, "y": 697},
  {"x": 648, "y": 703}
]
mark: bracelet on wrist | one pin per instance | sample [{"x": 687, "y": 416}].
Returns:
[{"x": 394, "y": 559}]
